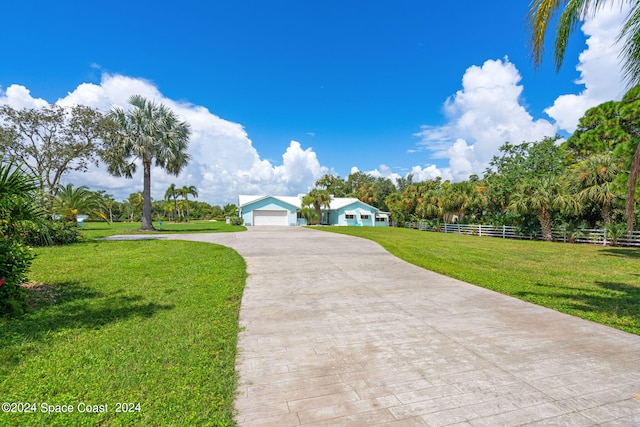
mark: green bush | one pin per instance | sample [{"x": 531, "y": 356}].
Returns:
[
  {"x": 236, "y": 220},
  {"x": 49, "y": 233},
  {"x": 15, "y": 260}
]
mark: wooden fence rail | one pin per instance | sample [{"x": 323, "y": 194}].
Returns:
[{"x": 587, "y": 235}]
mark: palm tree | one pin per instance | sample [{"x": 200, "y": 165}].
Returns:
[
  {"x": 317, "y": 198},
  {"x": 185, "y": 192},
  {"x": 172, "y": 194},
  {"x": 593, "y": 180},
  {"x": 133, "y": 205},
  {"x": 367, "y": 193},
  {"x": 70, "y": 201},
  {"x": 543, "y": 12},
  {"x": 541, "y": 196},
  {"x": 148, "y": 132},
  {"x": 630, "y": 113},
  {"x": 18, "y": 200}
]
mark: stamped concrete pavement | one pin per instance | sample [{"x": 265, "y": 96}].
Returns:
[{"x": 339, "y": 332}]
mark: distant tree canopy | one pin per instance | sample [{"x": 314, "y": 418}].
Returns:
[{"x": 52, "y": 141}]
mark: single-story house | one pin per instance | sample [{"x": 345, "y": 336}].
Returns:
[{"x": 285, "y": 210}]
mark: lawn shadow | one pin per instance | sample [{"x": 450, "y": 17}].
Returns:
[
  {"x": 607, "y": 299},
  {"x": 73, "y": 307},
  {"x": 622, "y": 252}
]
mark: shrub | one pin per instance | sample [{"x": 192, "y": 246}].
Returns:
[
  {"x": 15, "y": 260},
  {"x": 48, "y": 233},
  {"x": 236, "y": 220}
]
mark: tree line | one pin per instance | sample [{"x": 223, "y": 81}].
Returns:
[{"x": 588, "y": 180}]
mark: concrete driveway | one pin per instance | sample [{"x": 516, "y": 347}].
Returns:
[{"x": 340, "y": 332}]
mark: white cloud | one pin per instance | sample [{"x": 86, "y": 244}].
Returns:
[
  {"x": 419, "y": 173},
  {"x": 224, "y": 161},
  {"x": 482, "y": 116},
  {"x": 20, "y": 97},
  {"x": 487, "y": 111},
  {"x": 599, "y": 67}
]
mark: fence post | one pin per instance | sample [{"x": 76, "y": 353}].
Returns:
[{"x": 480, "y": 230}]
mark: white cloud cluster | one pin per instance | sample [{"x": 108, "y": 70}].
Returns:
[
  {"x": 419, "y": 173},
  {"x": 599, "y": 67},
  {"x": 483, "y": 115},
  {"x": 487, "y": 111},
  {"x": 224, "y": 162}
]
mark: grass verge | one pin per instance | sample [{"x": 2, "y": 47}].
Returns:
[
  {"x": 152, "y": 323},
  {"x": 597, "y": 283},
  {"x": 94, "y": 230}
]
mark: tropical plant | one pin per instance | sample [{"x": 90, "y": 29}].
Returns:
[
  {"x": 172, "y": 195},
  {"x": 309, "y": 214},
  {"x": 615, "y": 232},
  {"x": 542, "y": 196},
  {"x": 70, "y": 201},
  {"x": 318, "y": 199},
  {"x": 543, "y": 12},
  {"x": 593, "y": 181},
  {"x": 18, "y": 204},
  {"x": 630, "y": 122},
  {"x": 185, "y": 192},
  {"x": 152, "y": 133},
  {"x": 19, "y": 200}
]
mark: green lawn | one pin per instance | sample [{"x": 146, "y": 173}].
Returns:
[
  {"x": 94, "y": 230},
  {"x": 152, "y": 323},
  {"x": 598, "y": 283}
]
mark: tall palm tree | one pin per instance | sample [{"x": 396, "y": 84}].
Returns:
[
  {"x": 151, "y": 133},
  {"x": 541, "y": 196},
  {"x": 630, "y": 113},
  {"x": 172, "y": 194},
  {"x": 571, "y": 12},
  {"x": 185, "y": 192},
  {"x": 317, "y": 198},
  {"x": 593, "y": 180}
]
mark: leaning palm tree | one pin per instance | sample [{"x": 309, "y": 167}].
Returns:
[
  {"x": 541, "y": 196},
  {"x": 185, "y": 192},
  {"x": 571, "y": 12},
  {"x": 151, "y": 133}
]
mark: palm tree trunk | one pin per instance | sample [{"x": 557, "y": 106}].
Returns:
[
  {"x": 147, "y": 224},
  {"x": 606, "y": 212},
  {"x": 175, "y": 208},
  {"x": 318, "y": 213},
  {"x": 544, "y": 217},
  {"x": 634, "y": 172}
]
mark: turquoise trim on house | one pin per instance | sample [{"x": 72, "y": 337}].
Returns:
[{"x": 282, "y": 210}]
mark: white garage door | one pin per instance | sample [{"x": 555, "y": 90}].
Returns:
[{"x": 270, "y": 218}]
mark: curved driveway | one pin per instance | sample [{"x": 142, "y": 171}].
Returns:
[{"x": 340, "y": 332}]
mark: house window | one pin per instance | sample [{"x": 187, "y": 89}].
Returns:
[
  {"x": 381, "y": 219},
  {"x": 349, "y": 216},
  {"x": 365, "y": 216}
]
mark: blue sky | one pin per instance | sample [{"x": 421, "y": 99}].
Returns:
[{"x": 280, "y": 92}]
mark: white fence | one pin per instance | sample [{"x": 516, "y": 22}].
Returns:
[{"x": 590, "y": 235}]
